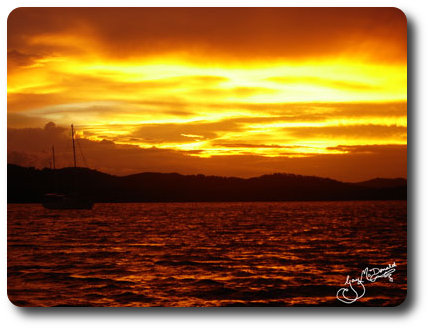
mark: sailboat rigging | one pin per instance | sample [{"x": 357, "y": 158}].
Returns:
[{"x": 70, "y": 201}]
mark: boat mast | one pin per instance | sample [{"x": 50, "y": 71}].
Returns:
[
  {"x": 73, "y": 143},
  {"x": 53, "y": 157}
]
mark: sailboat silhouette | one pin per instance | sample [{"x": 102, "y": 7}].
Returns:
[{"x": 70, "y": 201}]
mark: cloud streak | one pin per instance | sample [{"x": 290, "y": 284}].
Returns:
[
  {"x": 205, "y": 87},
  {"x": 31, "y": 147},
  {"x": 238, "y": 33}
]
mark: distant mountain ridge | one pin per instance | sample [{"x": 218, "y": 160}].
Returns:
[
  {"x": 28, "y": 185},
  {"x": 383, "y": 183}
]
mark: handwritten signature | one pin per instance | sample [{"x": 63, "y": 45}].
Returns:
[{"x": 355, "y": 286}]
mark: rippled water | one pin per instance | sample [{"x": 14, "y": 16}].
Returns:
[{"x": 204, "y": 254}]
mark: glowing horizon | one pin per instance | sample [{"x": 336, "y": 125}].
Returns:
[{"x": 300, "y": 83}]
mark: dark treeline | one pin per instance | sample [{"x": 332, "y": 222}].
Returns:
[{"x": 28, "y": 185}]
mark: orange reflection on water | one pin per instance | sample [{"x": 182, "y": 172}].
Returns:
[{"x": 204, "y": 254}]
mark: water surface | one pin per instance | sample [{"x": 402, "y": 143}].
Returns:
[{"x": 204, "y": 254}]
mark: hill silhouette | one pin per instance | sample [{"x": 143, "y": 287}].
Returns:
[
  {"x": 28, "y": 185},
  {"x": 383, "y": 183}
]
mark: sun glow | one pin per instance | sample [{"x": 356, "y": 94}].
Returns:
[{"x": 164, "y": 95}]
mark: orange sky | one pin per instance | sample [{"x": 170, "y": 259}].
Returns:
[{"x": 225, "y": 91}]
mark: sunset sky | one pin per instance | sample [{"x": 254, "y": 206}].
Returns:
[{"x": 224, "y": 91}]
